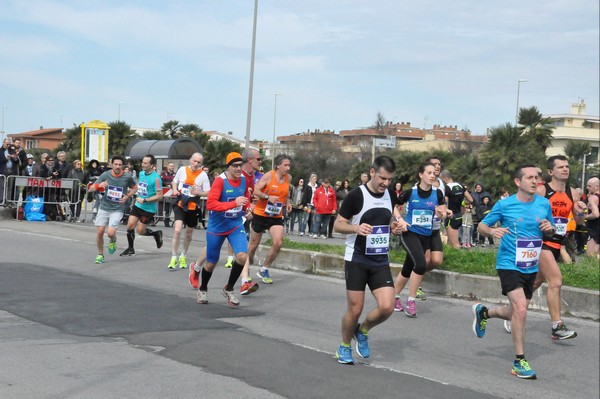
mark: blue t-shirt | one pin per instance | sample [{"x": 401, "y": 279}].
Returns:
[
  {"x": 220, "y": 223},
  {"x": 148, "y": 186},
  {"x": 520, "y": 249}
]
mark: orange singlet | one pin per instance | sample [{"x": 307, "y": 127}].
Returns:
[
  {"x": 274, "y": 188},
  {"x": 562, "y": 205}
]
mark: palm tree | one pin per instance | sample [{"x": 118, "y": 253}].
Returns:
[
  {"x": 171, "y": 129},
  {"x": 119, "y": 136},
  {"x": 534, "y": 124},
  {"x": 216, "y": 151},
  {"x": 575, "y": 151},
  {"x": 506, "y": 149}
]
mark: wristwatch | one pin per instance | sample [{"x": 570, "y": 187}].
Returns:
[
  {"x": 266, "y": 196},
  {"x": 145, "y": 200}
]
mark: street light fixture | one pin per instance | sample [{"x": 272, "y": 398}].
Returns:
[
  {"x": 274, "y": 124},
  {"x": 518, "y": 93}
]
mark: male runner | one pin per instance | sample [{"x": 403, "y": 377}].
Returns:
[
  {"x": 456, "y": 193},
  {"x": 149, "y": 193},
  {"x": 365, "y": 217},
  {"x": 564, "y": 201},
  {"x": 118, "y": 187},
  {"x": 526, "y": 218},
  {"x": 189, "y": 184},
  {"x": 272, "y": 190},
  {"x": 226, "y": 202},
  {"x": 592, "y": 218}
]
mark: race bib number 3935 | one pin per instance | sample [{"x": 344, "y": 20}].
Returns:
[{"x": 378, "y": 242}]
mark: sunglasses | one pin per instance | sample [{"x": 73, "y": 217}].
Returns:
[
  {"x": 258, "y": 159},
  {"x": 236, "y": 165}
]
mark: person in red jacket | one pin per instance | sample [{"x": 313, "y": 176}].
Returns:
[{"x": 325, "y": 206}]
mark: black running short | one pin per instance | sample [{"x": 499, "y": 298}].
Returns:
[
  {"x": 435, "y": 244},
  {"x": 455, "y": 222},
  {"x": 143, "y": 216},
  {"x": 358, "y": 276},
  {"x": 260, "y": 224},
  {"x": 511, "y": 280},
  {"x": 555, "y": 251},
  {"x": 189, "y": 218}
]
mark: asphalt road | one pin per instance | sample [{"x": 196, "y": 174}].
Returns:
[{"x": 130, "y": 329}]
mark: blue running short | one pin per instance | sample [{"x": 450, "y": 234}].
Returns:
[{"x": 237, "y": 239}]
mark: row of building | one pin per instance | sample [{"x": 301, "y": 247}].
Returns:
[{"x": 576, "y": 125}]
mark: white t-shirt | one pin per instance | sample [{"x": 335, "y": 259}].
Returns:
[{"x": 201, "y": 181}]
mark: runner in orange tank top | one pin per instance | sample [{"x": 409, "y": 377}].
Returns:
[
  {"x": 563, "y": 200},
  {"x": 272, "y": 191}
]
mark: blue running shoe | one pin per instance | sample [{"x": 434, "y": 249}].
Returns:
[
  {"x": 344, "y": 355},
  {"x": 522, "y": 370},
  {"x": 479, "y": 323},
  {"x": 362, "y": 343},
  {"x": 264, "y": 275}
]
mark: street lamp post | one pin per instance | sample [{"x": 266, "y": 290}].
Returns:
[
  {"x": 518, "y": 93},
  {"x": 583, "y": 170},
  {"x": 274, "y": 124},
  {"x": 3, "y": 107},
  {"x": 251, "y": 85}
]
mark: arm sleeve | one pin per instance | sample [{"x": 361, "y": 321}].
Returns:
[
  {"x": 404, "y": 197},
  {"x": 441, "y": 199},
  {"x": 213, "y": 203},
  {"x": 352, "y": 204}
]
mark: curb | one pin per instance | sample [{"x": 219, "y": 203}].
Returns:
[{"x": 576, "y": 302}]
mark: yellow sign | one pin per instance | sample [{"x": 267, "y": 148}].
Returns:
[{"x": 94, "y": 141}]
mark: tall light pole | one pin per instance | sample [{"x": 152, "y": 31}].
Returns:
[
  {"x": 251, "y": 85},
  {"x": 583, "y": 169},
  {"x": 274, "y": 124},
  {"x": 518, "y": 93},
  {"x": 3, "y": 107},
  {"x": 119, "y": 114}
]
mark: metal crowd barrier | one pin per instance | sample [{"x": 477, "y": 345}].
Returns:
[
  {"x": 58, "y": 194},
  {"x": 2, "y": 190}
]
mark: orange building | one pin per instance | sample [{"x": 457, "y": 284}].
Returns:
[{"x": 48, "y": 139}]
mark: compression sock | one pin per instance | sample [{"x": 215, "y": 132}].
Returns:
[
  {"x": 130, "y": 237},
  {"x": 236, "y": 271},
  {"x": 206, "y": 275}
]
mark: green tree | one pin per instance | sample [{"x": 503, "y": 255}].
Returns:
[
  {"x": 534, "y": 125},
  {"x": 506, "y": 149},
  {"x": 152, "y": 135},
  {"x": 216, "y": 151},
  {"x": 189, "y": 130},
  {"x": 171, "y": 129},
  {"x": 575, "y": 150},
  {"x": 119, "y": 136},
  {"x": 72, "y": 143}
]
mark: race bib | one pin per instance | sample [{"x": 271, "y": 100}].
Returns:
[
  {"x": 273, "y": 209},
  {"x": 235, "y": 212},
  {"x": 422, "y": 217},
  {"x": 378, "y": 242},
  {"x": 561, "y": 225},
  {"x": 142, "y": 190},
  {"x": 437, "y": 223},
  {"x": 528, "y": 252},
  {"x": 114, "y": 193},
  {"x": 186, "y": 189}
]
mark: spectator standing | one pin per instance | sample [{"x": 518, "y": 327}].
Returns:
[
  {"x": 22, "y": 155},
  {"x": 467, "y": 225},
  {"x": 37, "y": 166},
  {"x": 164, "y": 207},
  {"x": 478, "y": 195},
  {"x": 62, "y": 165},
  {"x": 78, "y": 193},
  {"x": 325, "y": 206},
  {"x": 297, "y": 209},
  {"x": 94, "y": 170},
  {"x": 307, "y": 201},
  {"x": 483, "y": 208}
]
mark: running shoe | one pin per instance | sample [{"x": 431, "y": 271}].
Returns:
[
  {"x": 172, "y": 263},
  {"x": 158, "y": 238},
  {"x": 562, "y": 332},
  {"x": 229, "y": 263},
  {"x": 362, "y": 343},
  {"x": 410, "y": 309},
  {"x": 112, "y": 247},
  {"x": 421, "y": 294},
  {"x": 521, "y": 369},
  {"x": 194, "y": 276},
  {"x": 248, "y": 288},
  {"x": 344, "y": 355},
  {"x": 100, "y": 259},
  {"x": 479, "y": 323},
  {"x": 128, "y": 252},
  {"x": 507, "y": 326},
  {"x": 231, "y": 298},
  {"x": 264, "y": 275},
  {"x": 202, "y": 297},
  {"x": 398, "y": 305},
  {"x": 182, "y": 262}
]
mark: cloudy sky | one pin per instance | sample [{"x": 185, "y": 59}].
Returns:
[{"x": 335, "y": 63}]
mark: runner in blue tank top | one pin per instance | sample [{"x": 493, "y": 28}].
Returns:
[
  {"x": 526, "y": 218},
  {"x": 227, "y": 203}
]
